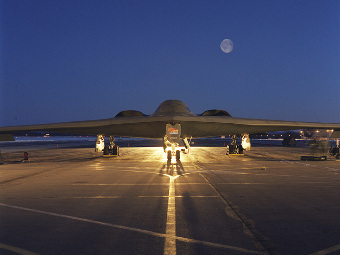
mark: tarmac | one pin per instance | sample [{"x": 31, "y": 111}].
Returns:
[{"x": 75, "y": 201}]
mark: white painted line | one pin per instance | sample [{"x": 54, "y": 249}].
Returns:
[
  {"x": 16, "y": 249},
  {"x": 328, "y": 250},
  {"x": 85, "y": 220},
  {"x": 132, "y": 171},
  {"x": 117, "y": 184},
  {"x": 170, "y": 239},
  {"x": 116, "y": 197},
  {"x": 147, "y": 232}
]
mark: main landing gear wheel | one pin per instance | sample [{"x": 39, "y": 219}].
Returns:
[
  {"x": 178, "y": 155},
  {"x": 169, "y": 155}
]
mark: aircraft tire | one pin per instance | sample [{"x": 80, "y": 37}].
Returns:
[
  {"x": 169, "y": 155},
  {"x": 178, "y": 155},
  {"x": 106, "y": 150},
  {"x": 116, "y": 150}
]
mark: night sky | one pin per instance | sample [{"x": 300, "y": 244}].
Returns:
[{"x": 84, "y": 60}]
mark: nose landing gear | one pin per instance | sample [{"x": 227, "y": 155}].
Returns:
[{"x": 171, "y": 141}]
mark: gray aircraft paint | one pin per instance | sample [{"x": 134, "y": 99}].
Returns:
[{"x": 172, "y": 112}]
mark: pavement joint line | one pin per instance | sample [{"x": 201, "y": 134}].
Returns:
[
  {"x": 216, "y": 245},
  {"x": 25, "y": 176},
  {"x": 135, "y": 171},
  {"x": 114, "y": 197},
  {"x": 251, "y": 232},
  {"x": 311, "y": 165},
  {"x": 259, "y": 183},
  {"x": 16, "y": 249},
  {"x": 299, "y": 162},
  {"x": 328, "y": 250},
  {"x": 147, "y": 232}
]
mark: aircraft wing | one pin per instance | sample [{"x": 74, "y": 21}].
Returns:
[
  {"x": 136, "y": 124},
  {"x": 154, "y": 126},
  {"x": 146, "y": 127},
  {"x": 205, "y": 126}
]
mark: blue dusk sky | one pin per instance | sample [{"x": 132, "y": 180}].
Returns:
[{"x": 83, "y": 60}]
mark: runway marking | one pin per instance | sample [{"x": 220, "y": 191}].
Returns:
[
  {"x": 328, "y": 250},
  {"x": 16, "y": 249},
  {"x": 147, "y": 232},
  {"x": 119, "y": 184},
  {"x": 117, "y": 170},
  {"x": 170, "y": 231},
  {"x": 135, "y": 184},
  {"x": 85, "y": 220}
]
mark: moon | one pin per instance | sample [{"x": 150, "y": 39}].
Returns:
[{"x": 227, "y": 45}]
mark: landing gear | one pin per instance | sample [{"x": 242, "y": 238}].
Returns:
[
  {"x": 234, "y": 149},
  {"x": 112, "y": 149},
  {"x": 237, "y": 149},
  {"x": 171, "y": 141},
  {"x": 335, "y": 151}
]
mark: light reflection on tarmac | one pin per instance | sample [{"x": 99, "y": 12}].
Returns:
[{"x": 73, "y": 201}]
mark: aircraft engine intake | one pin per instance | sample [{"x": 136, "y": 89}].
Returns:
[
  {"x": 130, "y": 113},
  {"x": 216, "y": 112}
]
